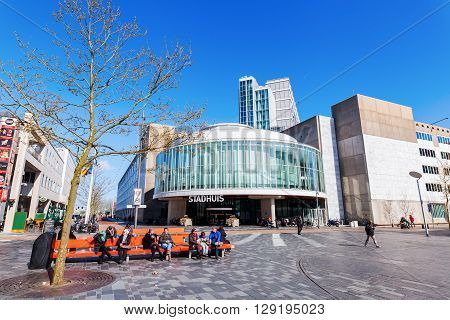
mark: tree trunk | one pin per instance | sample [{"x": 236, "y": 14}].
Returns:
[
  {"x": 60, "y": 265},
  {"x": 58, "y": 274}
]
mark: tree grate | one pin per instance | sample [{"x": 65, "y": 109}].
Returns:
[{"x": 36, "y": 285}]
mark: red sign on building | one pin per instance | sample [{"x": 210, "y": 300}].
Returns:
[{"x": 7, "y": 130}]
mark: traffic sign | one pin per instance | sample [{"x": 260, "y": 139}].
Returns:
[{"x": 137, "y": 199}]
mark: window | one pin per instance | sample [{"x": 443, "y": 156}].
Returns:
[
  {"x": 427, "y": 153},
  {"x": 28, "y": 177},
  {"x": 437, "y": 210},
  {"x": 433, "y": 187},
  {"x": 445, "y": 155},
  {"x": 444, "y": 140},
  {"x": 446, "y": 171},
  {"x": 430, "y": 169},
  {"x": 424, "y": 136}
]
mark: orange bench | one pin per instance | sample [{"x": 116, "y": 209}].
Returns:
[
  {"x": 158, "y": 231},
  {"x": 222, "y": 248},
  {"x": 84, "y": 248}
]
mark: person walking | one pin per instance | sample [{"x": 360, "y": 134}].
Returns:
[
  {"x": 411, "y": 220},
  {"x": 299, "y": 222},
  {"x": 150, "y": 242},
  {"x": 370, "y": 231}
]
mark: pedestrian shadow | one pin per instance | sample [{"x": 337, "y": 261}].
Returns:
[{"x": 348, "y": 245}]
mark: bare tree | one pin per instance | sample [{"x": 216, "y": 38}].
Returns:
[
  {"x": 93, "y": 87},
  {"x": 444, "y": 181},
  {"x": 405, "y": 206},
  {"x": 102, "y": 186},
  {"x": 388, "y": 212}
]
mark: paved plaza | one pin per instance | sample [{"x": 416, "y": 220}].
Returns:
[{"x": 319, "y": 264}]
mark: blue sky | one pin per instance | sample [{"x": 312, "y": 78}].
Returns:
[{"x": 308, "y": 41}]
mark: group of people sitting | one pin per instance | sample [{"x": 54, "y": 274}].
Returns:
[
  {"x": 153, "y": 242},
  {"x": 201, "y": 244}
]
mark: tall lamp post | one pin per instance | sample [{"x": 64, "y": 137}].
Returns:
[
  {"x": 417, "y": 176},
  {"x": 317, "y": 209}
]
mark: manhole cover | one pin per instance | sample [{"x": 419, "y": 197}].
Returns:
[{"x": 36, "y": 285}]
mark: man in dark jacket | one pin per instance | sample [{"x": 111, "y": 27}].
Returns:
[
  {"x": 370, "y": 231},
  {"x": 299, "y": 222},
  {"x": 150, "y": 242},
  {"x": 194, "y": 243}
]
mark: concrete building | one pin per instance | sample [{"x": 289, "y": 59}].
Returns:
[
  {"x": 379, "y": 143},
  {"x": 41, "y": 177},
  {"x": 269, "y": 107},
  {"x": 143, "y": 167},
  {"x": 319, "y": 132},
  {"x": 237, "y": 170}
]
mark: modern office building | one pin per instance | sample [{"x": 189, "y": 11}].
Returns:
[
  {"x": 234, "y": 169},
  {"x": 379, "y": 144},
  {"x": 352, "y": 166},
  {"x": 269, "y": 107},
  {"x": 40, "y": 180},
  {"x": 142, "y": 167},
  {"x": 319, "y": 132}
]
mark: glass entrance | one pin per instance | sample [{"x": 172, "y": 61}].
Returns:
[{"x": 216, "y": 213}]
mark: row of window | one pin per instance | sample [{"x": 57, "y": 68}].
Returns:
[
  {"x": 430, "y": 169},
  {"x": 50, "y": 184},
  {"x": 424, "y": 136},
  {"x": 427, "y": 153},
  {"x": 443, "y": 140},
  {"x": 239, "y": 164},
  {"x": 445, "y": 155},
  {"x": 433, "y": 187}
]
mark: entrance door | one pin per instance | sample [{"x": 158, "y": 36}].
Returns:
[{"x": 218, "y": 216}]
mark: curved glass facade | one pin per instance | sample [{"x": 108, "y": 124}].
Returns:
[{"x": 239, "y": 164}]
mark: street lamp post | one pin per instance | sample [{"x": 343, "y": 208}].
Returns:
[
  {"x": 417, "y": 176},
  {"x": 317, "y": 209}
]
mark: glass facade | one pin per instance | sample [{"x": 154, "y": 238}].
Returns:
[
  {"x": 239, "y": 164},
  {"x": 246, "y": 102},
  {"x": 262, "y": 109}
]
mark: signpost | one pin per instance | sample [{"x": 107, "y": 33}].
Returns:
[{"x": 137, "y": 204}]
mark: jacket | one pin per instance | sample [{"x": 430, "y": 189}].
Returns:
[
  {"x": 148, "y": 240},
  {"x": 99, "y": 241},
  {"x": 193, "y": 238},
  {"x": 370, "y": 229},
  {"x": 223, "y": 234},
  {"x": 126, "y": 242},
  {"x": 165, "y": 237},
  {"x": 214, "y": 237}
]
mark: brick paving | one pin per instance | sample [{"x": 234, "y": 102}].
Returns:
[{"x": 320, "y": 264}]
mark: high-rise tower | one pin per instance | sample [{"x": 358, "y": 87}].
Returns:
[{"x": 270, "y": 107}]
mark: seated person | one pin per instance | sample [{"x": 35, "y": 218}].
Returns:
[
  {"x": 150, "y": 242},
  {"x": 214, "y": 240},
  {"x": 194, "y": 243},
  {"x": 166, "y": 242},
  {"x": 204, "y": 243},
  {"x": 223, "y": 235},
  {"x": 123, "y": 244}
]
